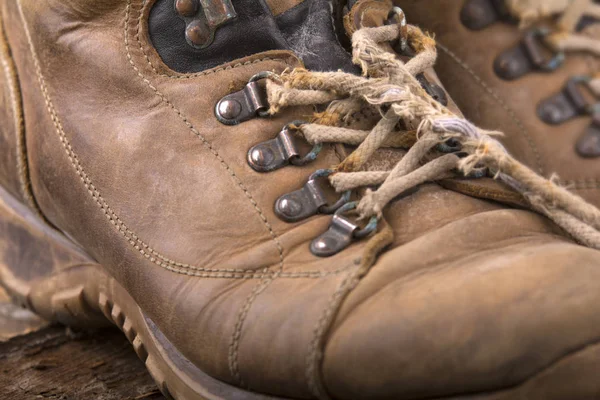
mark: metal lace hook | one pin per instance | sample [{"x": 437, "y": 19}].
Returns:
[
  {"x": 569, "y": 103},
  {"x": 245, "y": 104},
  {"x": 342, "y": 232},
  {"x": 529, "y": 56},
  {"x": 276, "y": 153},
  {"x": 310, "y": 200},
  {"x": 394, "y": 14}
]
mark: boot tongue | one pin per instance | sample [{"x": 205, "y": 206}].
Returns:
[{"x": 312, "y": 29}]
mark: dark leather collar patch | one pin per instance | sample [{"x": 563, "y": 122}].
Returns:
[{"x": 308, "y": 29}]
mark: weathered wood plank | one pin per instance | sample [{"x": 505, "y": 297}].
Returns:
[{"x": 56, "y": 363}]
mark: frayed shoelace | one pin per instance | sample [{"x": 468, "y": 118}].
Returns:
[{"x": 389, "y": 89}]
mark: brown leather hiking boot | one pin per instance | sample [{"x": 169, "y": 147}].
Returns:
[
  {"x": 530, "y": 70},
  {"x": 153, "y": 156}
]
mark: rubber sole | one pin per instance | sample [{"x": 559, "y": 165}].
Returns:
[{"x": 43, "y": 271}]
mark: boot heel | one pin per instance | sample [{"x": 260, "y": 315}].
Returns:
[{"x": 43, "y": 271}]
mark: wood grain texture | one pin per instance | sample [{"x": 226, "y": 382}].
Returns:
[{"x": 38, "y": 361}]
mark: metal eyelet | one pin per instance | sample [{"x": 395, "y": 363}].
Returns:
[
  {"x": 567, "y": 104},
  {"x": 479, "y": 14},
  {"x": 341, "y": 233},
  {"x": 277, "y": 153},
  {"x": 528, "y": 57},
  {"x": 246, "y": 104},
  {"x": 308, "y": 201}
]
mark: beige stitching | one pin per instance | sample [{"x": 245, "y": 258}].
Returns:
[
  {"x": 17, "y": 113},
  {"x": 495, "y": 96},
  {"x": 144, "y": 249},
  {"x": 315, "y": 355},
  {"x": 111, "y": 216},
  {"x": 234, "y": 345},
  {"x": 198, "y": 74},
  {"x": 196, "y": 132},
  {"x": 582, "y": 184}
]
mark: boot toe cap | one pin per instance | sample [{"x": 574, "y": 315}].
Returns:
[{"x": 495, "y": 320}]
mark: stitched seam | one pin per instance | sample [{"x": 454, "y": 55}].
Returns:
[
  {"x": 505, "y": 107},
  {"x": 17, "y": 113},
  {"x": 139, "y": 245},
  {"x": 582, "y": 184},
  {"x": 315, "y": 353},
  {"x": 237, "y": 333},
  {"x": 133, "y": 240},
  {"x": 214, "y": 152},
  {"x": 202, "y": 73}
]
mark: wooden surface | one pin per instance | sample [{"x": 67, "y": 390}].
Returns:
[{"x": 41, "y": 361}]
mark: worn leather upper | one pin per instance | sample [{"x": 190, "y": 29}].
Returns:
[
  {"x": 466, "y": 67},
  {"x": 128, "y": 160}
]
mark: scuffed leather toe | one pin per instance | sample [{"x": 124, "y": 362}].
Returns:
[{"x": 462, "y": 321}]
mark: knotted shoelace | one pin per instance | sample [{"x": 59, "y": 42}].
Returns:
[{"x": 389, "y": 89}]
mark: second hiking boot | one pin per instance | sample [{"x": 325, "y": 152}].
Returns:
[
  {"x": 530, "y": 70},
  {"x": 266, "y": 216}
]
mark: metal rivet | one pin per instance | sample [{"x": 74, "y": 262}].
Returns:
[
  {"x": 477, "y": 11},
  {"x": 475, "y": 15},
  {"x": 551, "y": 113},
  {"x": 322, "y": 244},
  {"x": 281, "y": 151},
  {"x": 310, "y": 200},
  {"x": 244, "y": 104},
  {"x": 229, "y": 108},
  {"x": 568, "y": 103},
  {"x": 262, "y": 156},
  {"x": 588, "y": 145},
  {"x": 479, "y": 14},
  {"x": 530, "y": 55},
  {"x": 198, "y": 33},
  {"x": 508, "y": 66},
  {"x": 186, "y": 8},
  {"x": 289, "y": 207}
]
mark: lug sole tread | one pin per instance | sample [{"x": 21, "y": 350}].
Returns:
[{"x": 115, "y": 313}]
